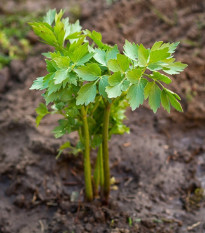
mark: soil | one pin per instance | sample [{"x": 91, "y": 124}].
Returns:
[{"x": 159, "y": 167}]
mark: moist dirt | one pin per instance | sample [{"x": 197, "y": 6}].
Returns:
[{"x": 159, "y": 168}]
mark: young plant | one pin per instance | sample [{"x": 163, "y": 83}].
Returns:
[{"x": 91, "y": 84}]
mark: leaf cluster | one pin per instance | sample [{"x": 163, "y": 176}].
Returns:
[{"x": 84, "y": 71}]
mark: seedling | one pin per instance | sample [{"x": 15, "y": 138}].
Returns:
[{"x": 91, "y": 84}]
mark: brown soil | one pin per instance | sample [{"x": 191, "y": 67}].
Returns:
[{"x": 159, "y": 167}]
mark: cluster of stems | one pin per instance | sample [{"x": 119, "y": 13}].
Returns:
[{"x": 101, "y": 177}]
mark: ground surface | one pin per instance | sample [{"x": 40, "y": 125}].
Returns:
[{"x": 159, "y": 167}]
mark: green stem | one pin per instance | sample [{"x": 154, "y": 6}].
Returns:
[
  {"x": 87, "y": 166},
  {"x": 96, "y": 176},
  {"x": 106, "y": 118},
  {"x": 101, "y": 166}
]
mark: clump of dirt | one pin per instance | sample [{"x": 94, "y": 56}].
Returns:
[{"x": 159, "y": 167}]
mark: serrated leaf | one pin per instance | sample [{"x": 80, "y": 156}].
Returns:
[
  {"x": 50, "y": 16},
  {"x": 72, "y": 31},
  {"x": 156, "y": 45},
  {"x": 37, "y": 84},
  {"x": 41, "y": 111},
  {"x": 143, "y": 55},
  {"x": 72, "y": 78},
  {"x": 173, "y": 93},
  {"x": 59, "y": 32},
  {"x": 66, "y": 145},
  {"x": 50, "y": 66},
  {"x": 125, "y": 85},
  {"x": 86, "y": 94},
  {"x": 63, "y": 128},
  {"x": 160, "y": 77},
  {"x": 47, "y": 55},
  {"x": 173, "y": 47},
  {"x": 115, "y": 79},
  {"x": 111, "y": 53},
  {"x": 60, "y": 76},
  {"x": 131, "y": 50},
  {"x": 97, "y": 38},
  {"x": 99, "y": 56},
  {"x": 134, "y": 75},
  {"x": 153, "y": 92},
  {"x": 174, "y": 68},
  {"x": 158, "y": 55},
  {"x": 62, "y": 62},
  {"x": 119, "y": 64},
  {"x": 174, "y": 102},
  {"x": 85, "y": 59},
  {"x": 89, "y": 72},
  {"x": 115, "y": 91},
  {"x": 45, "y": 32},
  {"x": 155, "y": 66},
  {"x": 165, "y": 101},
  {"x": 79, "y": 52},
  {"x": 135, "y": 94},
  {"x": 102, "y": 86},
  {"x": 65, "y": 95},
  {"x": 147, "y": 89}
]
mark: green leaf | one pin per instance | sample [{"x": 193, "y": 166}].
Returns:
[
  {"x": 160, "y": 77},
  {"x": 159, "y": 45},
  {"x": 79, "y": 52},
  {"x": 62, "y": 62},
  {"x": 155, "y": 66},
  {"x": 103, "y": 56},
  {"x": 143, "y": 55},
  {"x": 66, "y": 145},
  {"x": 72, "y": 31},
  {"x": 37, "y": 84},
  {"x": 72, "y": 78},
  {"x": 102, "y": 86},
  {"x": 50, "y": 16},
  {"x": 111, "y": 54},
  {"x": 119, "y": 64},
  {"x": 165, "y": 101},
  {"x": 173, "y": 47},
  {"x": 115, "y": 91},
  {"x": 156, "y": 45},
  {"x": 63, "y": 128},
  {"x": 86, "y": 94},
  {"x": 41, "y": 111},
  {"x": 131, "y": 50},
  {"x": 134, "y": 75},
  {"x": 45, "y": 32},
  {"x": 125, "y": 85},
  {"x": 173, "y": 93},
  {"x": 147, "y": 89},
  {"x": 51, "y": 66},
  {"x": 59, "y": 33},
  {"x": 174, "y": 68},
  {"x": 135, "y": 93},
  {"x": 115, "y": 79},
  {"x": 158, "y": 55},
  {"x": 153, "y": 91},
  {"x": 99, "y": 56},
  {"x": 89, "y": 72},
  {"x": 47, "y": 55},
  {"x": 60, "y": 76},
  {"x": 65, "y": 95},
  {"x": 174, "y": 101},
  {"x": 97, "y": 38}
]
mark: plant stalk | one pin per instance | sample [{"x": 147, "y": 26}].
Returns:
[
  {"x": 105, "y": 135},
  {"x": 87, "y": 166}
]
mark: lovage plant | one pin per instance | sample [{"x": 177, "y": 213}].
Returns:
[{"x": 91, "y": 84}]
